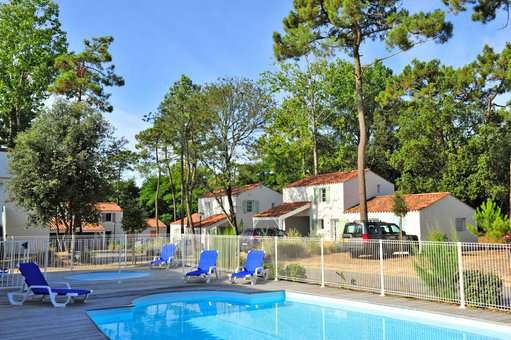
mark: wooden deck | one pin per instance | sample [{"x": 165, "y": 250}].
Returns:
[{"x": 46, "y": 322}]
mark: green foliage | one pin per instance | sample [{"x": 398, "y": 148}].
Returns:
[
  {"x": 483, "y": 289},
  {"x": 59, "y": 165},
  {"x": 271, "y": 271},
  {"x": 483, "y": 10},
  {"x": 448, "y": 138},
  {"x": 133, "y": 217},
  {"x": 293, "y": 233},
  {"x": 491, "y": 222},
  {"x": 295, "y": 271},
  {"x": 83, "y": 76},
  {"x": 437, "y": 236},
  {"x": 399, "y": 207},
  {"x": 30, "y": 40}
]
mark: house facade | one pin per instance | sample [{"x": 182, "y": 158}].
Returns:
[
  {"x": 153, "y": 228},
  {"x": 248, "y": 200},
  {"x": 314, "y": 206},
  {"x": 14, "y": 221},
  {"x": 427, "y": 213}
]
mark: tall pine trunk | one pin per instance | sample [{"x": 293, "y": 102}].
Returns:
[
  {"x": 363, "y": 133},
  {"x": 157, "y": 194}
]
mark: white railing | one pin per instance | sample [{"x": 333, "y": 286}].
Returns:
[{"x": 468, "y": 274}]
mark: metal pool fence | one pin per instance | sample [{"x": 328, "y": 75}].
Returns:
[{"x": 468, "y": 274}]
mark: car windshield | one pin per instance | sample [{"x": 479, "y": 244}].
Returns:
[{"x": 390, "y": 229}]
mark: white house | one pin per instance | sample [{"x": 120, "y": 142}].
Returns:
[
  {"x": 314, "y": 206},
  {"x": 14, "y": 220},
  {"x": 247, "y": 200},
  {"x": 153, "y": 228},
  {"x": 437, "y": 211}
]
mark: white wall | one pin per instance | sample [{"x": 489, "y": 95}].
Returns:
[
  {"x": 373, "y": 183},
  {"x": 266, "y": 197},
  {"x": 111, "y": 226},
  {"x": 442, "y": 215}
]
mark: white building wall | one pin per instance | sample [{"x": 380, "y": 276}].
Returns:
[
  {"x": 111, "y": 226},
  {"x": 265, "y": 197},
  {"x": 375, "y": 186},
  {"x": 441, "y": 217},
  {"x": 16, "y": 219}
]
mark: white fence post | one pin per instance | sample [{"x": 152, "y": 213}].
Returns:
[
  {"x": 125, "y": 249},
  {"x": 460, "y": 275},
  {"x": 46, "y": 255},
  {"x": 276, "y": 260},
  {"x": 322, "y": 263},
  {"x": 382, "y": 278},
  {"x": 72, "y": 250}
]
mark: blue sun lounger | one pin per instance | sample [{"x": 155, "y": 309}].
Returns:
[
  {"x": 36, "y": 284},
  {"x": 253, "y": 268},
  {"x": 206, "y": 267},
  {"x": 168, "y": 251}
]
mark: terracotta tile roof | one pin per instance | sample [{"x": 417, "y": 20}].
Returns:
[
  {"x": 235, "y": 191},
  {"x": 108, "y": 206},
  {"x": 414, "y": 202},
  {"x": 151, "y": 223},
  {"x": 281, "y": 209},
  {"x": 86, "y": 228},
  {"x": 329, "y": 178},
  {"x": 195, "y": 219},
  {"x": 199, "y": 222}
]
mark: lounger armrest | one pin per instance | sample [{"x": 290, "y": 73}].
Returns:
[
  {"x": 156, "y": 258},
  {"x": 211, "y": 270},
  {"x": 239, "y": 269},
  {"x": 63, "y": 283},
  {"x": 259, "y": 270},
  {"x": 48, "y": 288}
]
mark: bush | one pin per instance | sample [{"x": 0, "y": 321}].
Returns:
[
  {"x": 295, "y": 271},
  {"x": 482, "y": 289},
  {"x": 271, "y": 271},
  {"x": 329, "y": 247},
  {"x": 243, "y": 258},
  {"x": 294, "y": 233},
  {"x": 491, "y": 221}
]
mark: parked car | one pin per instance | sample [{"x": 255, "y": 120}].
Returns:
[
  {"x": 357, "y": 236},
  {"x": 248, "y": 239}
]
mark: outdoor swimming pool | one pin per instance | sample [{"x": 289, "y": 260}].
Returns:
[
  {"x": 277, "y": 315},
  {"x": 106, "y": 276}
]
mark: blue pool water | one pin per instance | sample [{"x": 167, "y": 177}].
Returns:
[
  {"x": 223, "y": 315},
  {"x": 106, "y": 276}
]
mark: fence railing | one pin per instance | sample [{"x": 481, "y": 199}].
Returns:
[{"x": 468, "y": 274}]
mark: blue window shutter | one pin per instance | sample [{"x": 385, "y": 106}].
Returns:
[
  {"x": 256, "y": 206},
  {"x": 244, "y": 206}
]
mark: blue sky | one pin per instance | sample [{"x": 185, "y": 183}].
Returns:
[{"x": 157, "y": 41}]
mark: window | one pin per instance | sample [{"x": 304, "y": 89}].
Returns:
[
  {"x": 321, "y": 224},
  {"x": 323, "y": 194},
  {"x": 461, "y": 223},
  {"x": 273, "y": 204},
  {"x": 250, "y": 206},
  {"x": 207, "y": 208},
  {"x": 378, "y": 188},
  {"x": 353, "y": 229},
  {"x": 108, "y": 217}
]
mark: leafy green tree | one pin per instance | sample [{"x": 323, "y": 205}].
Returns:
[
  {"x": 184, "y": 119},
  {"x": 399, "y": 209},
  {"x": 483, "y": 10},
  {"x": 345, "y": 25},
  {"x": 133, "y": 217},
  {"x": 60, "y": 166},
  {"x": 30, "y": 40},
  {"x": 238, "y": 109},
  {"x": 83, "y": 76},
  {"x": 148, "y": 144},
  {"x": 305, "y": 101}
]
